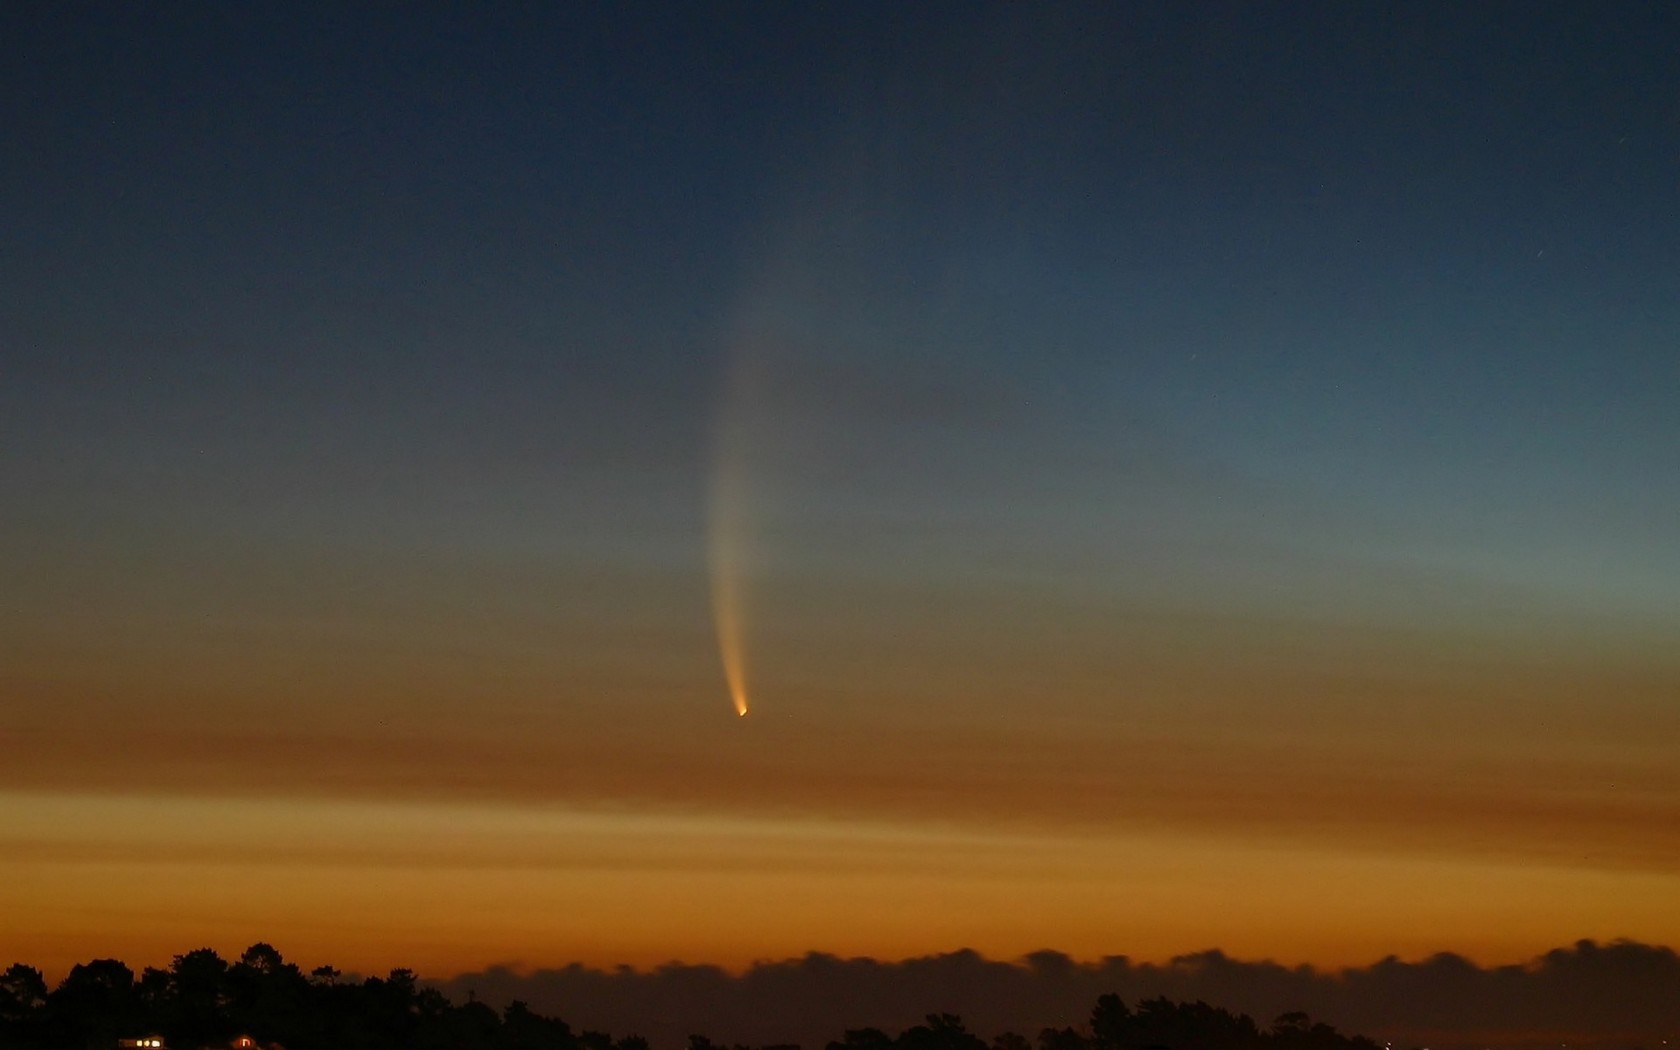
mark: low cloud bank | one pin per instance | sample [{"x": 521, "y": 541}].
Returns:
[{"x": 1621, "y": 994}]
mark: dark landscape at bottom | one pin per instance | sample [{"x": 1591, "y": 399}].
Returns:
[{"x": 1619, "y": 995}]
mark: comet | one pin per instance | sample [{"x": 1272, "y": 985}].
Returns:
[
  {"x": 727, "y": 610},
  {"x": 728, "y": 531}
]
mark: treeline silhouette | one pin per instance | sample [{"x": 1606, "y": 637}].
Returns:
[
  {"x": 261, "y": 1001},
  {"x": 203, "y": 1001},
  {"x": 1156, "y": 1024}
]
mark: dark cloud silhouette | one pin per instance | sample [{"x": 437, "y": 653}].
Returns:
[{"x": 1620, "y": 994}]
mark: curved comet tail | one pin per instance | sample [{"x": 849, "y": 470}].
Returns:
[
  {"x": 726, "y": 541},
  {"x": 726, "y": 608}
]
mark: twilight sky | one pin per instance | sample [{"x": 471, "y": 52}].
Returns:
[{"x": 1172, "y": 476}]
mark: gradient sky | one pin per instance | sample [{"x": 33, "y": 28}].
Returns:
[{"x": 1189, "y": 475}]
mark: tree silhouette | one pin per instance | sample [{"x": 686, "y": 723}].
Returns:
[
  {"x": 201, "y": 1001},
  {"x": 197, "y": 998},
  {"x": 93, "y": 1006},
  {"x": 1109, "y": 1020},
  {"x": 1061, "y": 1039},
  {"x": 941, "y": 1032},
  {"x": 23, "y": 992}
]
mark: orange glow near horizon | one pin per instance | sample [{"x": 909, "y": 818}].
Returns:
[
  {"x": 637, "y": 827},
  {"x": 447, "y": 888}
]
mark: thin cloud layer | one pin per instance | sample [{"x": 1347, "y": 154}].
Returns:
[{"x": 1623, "y": 993}]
